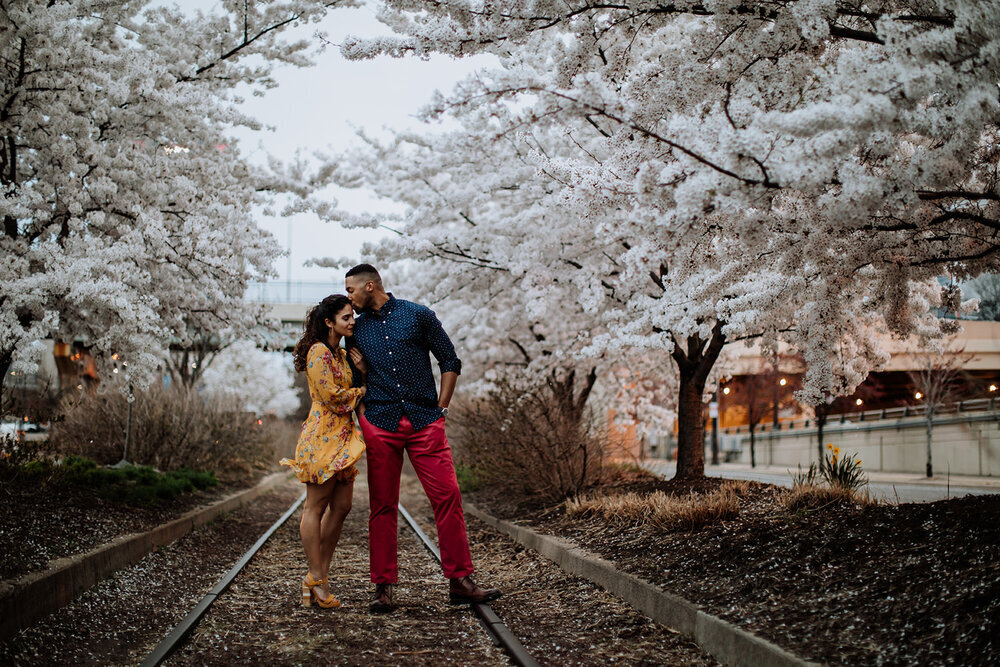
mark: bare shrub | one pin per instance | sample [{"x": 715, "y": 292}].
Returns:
[
  {"x": 171, "y": 428},
  {"x": 664, "y": 512},
  {"x": 526, "y": 442}
]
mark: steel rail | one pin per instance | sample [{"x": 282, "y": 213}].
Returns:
[
  {"x": 495, "y": 628},
  {"x": 499, "y": 633},
  {"x": 182, "y": 629}
]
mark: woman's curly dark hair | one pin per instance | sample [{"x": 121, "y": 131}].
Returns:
[{"x": 315, "y": 329}]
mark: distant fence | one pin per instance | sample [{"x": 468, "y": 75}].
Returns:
[
  {"x": 965, "y": 440},
  {"x": 901, "y": 412},
  {"x": 290, "y": 291}
]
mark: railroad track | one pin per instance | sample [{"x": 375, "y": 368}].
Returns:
[{"x": 499, "y": 633}]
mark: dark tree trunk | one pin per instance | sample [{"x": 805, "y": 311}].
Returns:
[
  {"x": 822, "y": 411},
  {"x": 572, "y": 405},
  {"x": 6, "y": 357},
  {"x": 753, "y": 442},
  {"x": 694, "y": 362},
  {"x": 930, "y": 431},
  {"x": 572, "y": 408}
]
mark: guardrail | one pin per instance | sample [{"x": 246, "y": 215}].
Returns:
[
  {"x": 900, "y": 412},
  {"x": 289, "y": 291}
]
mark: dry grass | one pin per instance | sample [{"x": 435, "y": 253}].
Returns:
[
  {"x": 664, "y": 512},
  {"x": 814, "y": 496}
]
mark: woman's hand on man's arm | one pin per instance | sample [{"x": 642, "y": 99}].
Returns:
[{"x": 359, "y": 360}]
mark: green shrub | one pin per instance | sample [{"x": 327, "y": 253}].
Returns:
[
  {"x": 130, "y": 484},
  {"x": 843, "y": 472},
  {"x": 200, "y": 479},
  {"x": 468, "y": 478},
  {"x": 807, "y": 478},
  {"x": 844, "y": 480},
  {"x": 37, "y": 468}
]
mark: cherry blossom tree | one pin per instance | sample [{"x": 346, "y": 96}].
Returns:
[
  {"x": 783, "y": 170},
  {"x": 127, "y": 207},
  {"x": 475, "y": 216},
  {"x": 261, "y": 382}
]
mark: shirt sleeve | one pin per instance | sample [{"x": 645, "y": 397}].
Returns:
[
  {"x": 438, "y": 342},
  {"x": 327, "y": 379}
]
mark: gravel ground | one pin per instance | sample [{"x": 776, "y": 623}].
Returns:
[
  {"x": 259, "y": 620},
  {"x": 562, "y": 620},
  {"x": 41, "y": 521},
  {"x": 121, "y": 619}
]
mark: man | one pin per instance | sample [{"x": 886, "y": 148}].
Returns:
[{"x": 404, "y": 411}]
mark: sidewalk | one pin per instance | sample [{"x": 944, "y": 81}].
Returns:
[{"x": 906, "y": 486}]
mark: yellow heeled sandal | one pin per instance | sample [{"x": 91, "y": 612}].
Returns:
[{"x": 309, "y": 594}]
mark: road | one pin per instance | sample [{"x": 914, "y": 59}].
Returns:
[{"x": 901, "y": 487}]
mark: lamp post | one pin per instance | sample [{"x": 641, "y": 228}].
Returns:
[
  {"x": 130, "y": 398},
  {"x": 713, "y": 412}
]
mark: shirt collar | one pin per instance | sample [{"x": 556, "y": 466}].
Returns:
[{"x": 386, "y": 307}]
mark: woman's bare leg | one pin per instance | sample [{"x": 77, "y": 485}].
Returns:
[
  {"x": 317, "y": 500},
  {"x": 333, "y": 521}
]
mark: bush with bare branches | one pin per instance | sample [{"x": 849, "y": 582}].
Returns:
[
  {"x": 172, "y": 427},
  {"x": 525, "y": 441}
]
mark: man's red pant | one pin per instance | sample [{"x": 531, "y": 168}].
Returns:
[{"x": 430, "y": 456}]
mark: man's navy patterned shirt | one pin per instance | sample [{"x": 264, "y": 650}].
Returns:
[{"x": 397, "y": 341}]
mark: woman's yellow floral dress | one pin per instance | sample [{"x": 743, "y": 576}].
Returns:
[{"x": 329, "y": 444}]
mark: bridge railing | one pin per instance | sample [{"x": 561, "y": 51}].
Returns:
[
  {"x": 290, "y": 291},
  {"x": 899, "y": 412}
]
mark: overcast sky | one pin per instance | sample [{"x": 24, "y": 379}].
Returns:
[{"x": 319, "y": 107}]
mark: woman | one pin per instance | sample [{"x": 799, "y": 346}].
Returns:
[{"x": 329, "y": 444}]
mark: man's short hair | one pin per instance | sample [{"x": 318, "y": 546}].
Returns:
[{"x": 365, "y": 272}]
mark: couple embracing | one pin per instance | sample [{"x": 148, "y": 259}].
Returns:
[{"x": 385, "y": 376}]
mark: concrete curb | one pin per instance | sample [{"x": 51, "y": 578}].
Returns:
[
  {"x": 34, "y": 595},
  {"x": 724, "y": 641}
]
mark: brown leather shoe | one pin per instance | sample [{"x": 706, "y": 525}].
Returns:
[
  {"x": 382, "y": 600},
  {"x": 464, "y": 590}
]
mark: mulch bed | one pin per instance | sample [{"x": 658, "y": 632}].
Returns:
[
  {"x": 41, "y": 520},
  {"x": 841, "y": 584}
]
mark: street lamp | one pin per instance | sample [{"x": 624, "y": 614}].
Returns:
[{"x": 918, "y": 396}]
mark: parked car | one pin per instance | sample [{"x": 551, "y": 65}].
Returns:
[{"x": 13, "y": 428}]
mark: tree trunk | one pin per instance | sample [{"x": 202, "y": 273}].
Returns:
[
  {"x": 6, "y": 358},
  {"x": 930, "y": 428},
  {"x": 694, "y": 362},
  {"x": 821, "y": 414},
  {"x": 753, "y": 442}
]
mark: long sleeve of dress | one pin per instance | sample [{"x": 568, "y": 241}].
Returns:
[{"x": 329, "y": 381}]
